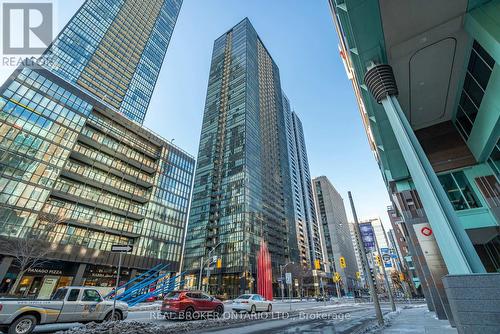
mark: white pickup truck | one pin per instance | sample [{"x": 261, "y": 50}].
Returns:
[{"x": 68, "y": 304}]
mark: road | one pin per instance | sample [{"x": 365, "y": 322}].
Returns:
[{"x": 306, "y": 316}]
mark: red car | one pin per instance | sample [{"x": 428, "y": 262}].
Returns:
[{"x": 189, "y": 304}]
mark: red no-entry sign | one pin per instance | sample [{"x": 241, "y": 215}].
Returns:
[{"x": 426, "y": 231}]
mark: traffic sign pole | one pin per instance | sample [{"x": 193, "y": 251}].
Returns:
[
  {"x": 116, "y": 286},
  {"x": 119, "y": 249}
]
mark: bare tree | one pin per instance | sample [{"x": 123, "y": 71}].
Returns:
[{"x": 31, "y": 250}]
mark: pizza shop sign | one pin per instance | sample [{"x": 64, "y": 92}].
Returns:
[{"x": 44, "y": 271}]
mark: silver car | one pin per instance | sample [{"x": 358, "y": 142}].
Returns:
[
  {"x": 68, "y": 304},
  {"x": 252, "y": 303}
]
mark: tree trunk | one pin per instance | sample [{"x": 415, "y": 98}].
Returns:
[{"x": 16, "y": 282}]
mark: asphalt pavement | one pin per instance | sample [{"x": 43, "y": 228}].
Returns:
[{"x": 285, "y": 318}]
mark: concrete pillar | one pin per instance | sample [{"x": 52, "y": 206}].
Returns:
[
  {"x": 434, "y": 285},
  {"x": 4, "y": 266},
  {"x": 78, "y": 280}
]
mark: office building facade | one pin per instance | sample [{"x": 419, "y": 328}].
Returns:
[
  {"x": 77, "y": 176},
  {"x": 338, "y": 243},
  {"x": 242, "y": 191},
  {"x": 435, "y": 131}
]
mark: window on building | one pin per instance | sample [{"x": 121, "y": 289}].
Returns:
[
  {"x": 476, "y": 79},
  {"x": 459, "y": 191},
  {"x": 494, "y": 159}
]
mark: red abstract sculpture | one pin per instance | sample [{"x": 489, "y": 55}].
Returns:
[{"x": 264, "y": 272}]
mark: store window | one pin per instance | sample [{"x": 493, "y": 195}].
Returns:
[
  {"x": 459, "y": 191},
  {"x": 476, "y": 79}
]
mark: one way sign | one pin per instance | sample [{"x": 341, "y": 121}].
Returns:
[{"x": 121, "y": 248}]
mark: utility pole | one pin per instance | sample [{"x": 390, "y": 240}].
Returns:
[{"x": 364, "y": 261}]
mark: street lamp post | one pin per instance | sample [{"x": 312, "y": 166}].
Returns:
[{"x": 202, "y": 265}]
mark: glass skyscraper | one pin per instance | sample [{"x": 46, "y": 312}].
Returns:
[
  {"x": 242, "y": 190},
  {"x": 114, "y": 49},
  {"x": 308, "y": 230},
  {"x": 77, "y": 174}
]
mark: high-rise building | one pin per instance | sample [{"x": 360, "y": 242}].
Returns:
[
  {"x": 76, "y": 175},
  {"x": 338, "y": 243},
  {"x": 425, "y": 76},
  {"x": 308, "y": 229},
  {"x": 242, "y": 189},
  {"x": 119, "y": 58}
]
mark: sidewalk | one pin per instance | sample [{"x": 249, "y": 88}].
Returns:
[{"x": 418, "y": 320}]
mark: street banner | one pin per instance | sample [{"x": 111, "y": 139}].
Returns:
[{"x": 367, "y": 236}]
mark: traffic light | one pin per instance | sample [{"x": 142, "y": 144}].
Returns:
[
  {"x": 336, "y": 277},
  {"x": 358, "y": 275},
  {"x": 317, "y": 264},
  {"x": 379, "y": 261},
  {"x": 401, "y": 277},
  {"x": 219, "y": 263},
  {"x": 342, "y": 262}
]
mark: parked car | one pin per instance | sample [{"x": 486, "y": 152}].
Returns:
[
  {"x": 252, "y": 303},
  {"x": 68, "y": 304},
  {"x": 188, "y": 304}
]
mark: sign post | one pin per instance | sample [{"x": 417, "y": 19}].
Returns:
[
  {"x": 288, "y": 279},
  {"x": 118, "y": 249}
]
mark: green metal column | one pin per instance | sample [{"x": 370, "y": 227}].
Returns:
[{"x": 457, "y": 249}]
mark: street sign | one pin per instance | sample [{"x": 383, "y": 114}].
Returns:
[
  {"x": 386, "y": 257},
  {"x": 427, "y": 231},
  {"x": 288, "y": 278},
  {"x": 121, "y": 248}
]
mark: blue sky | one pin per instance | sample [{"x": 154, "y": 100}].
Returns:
[{"x": 301, "y": 38}]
